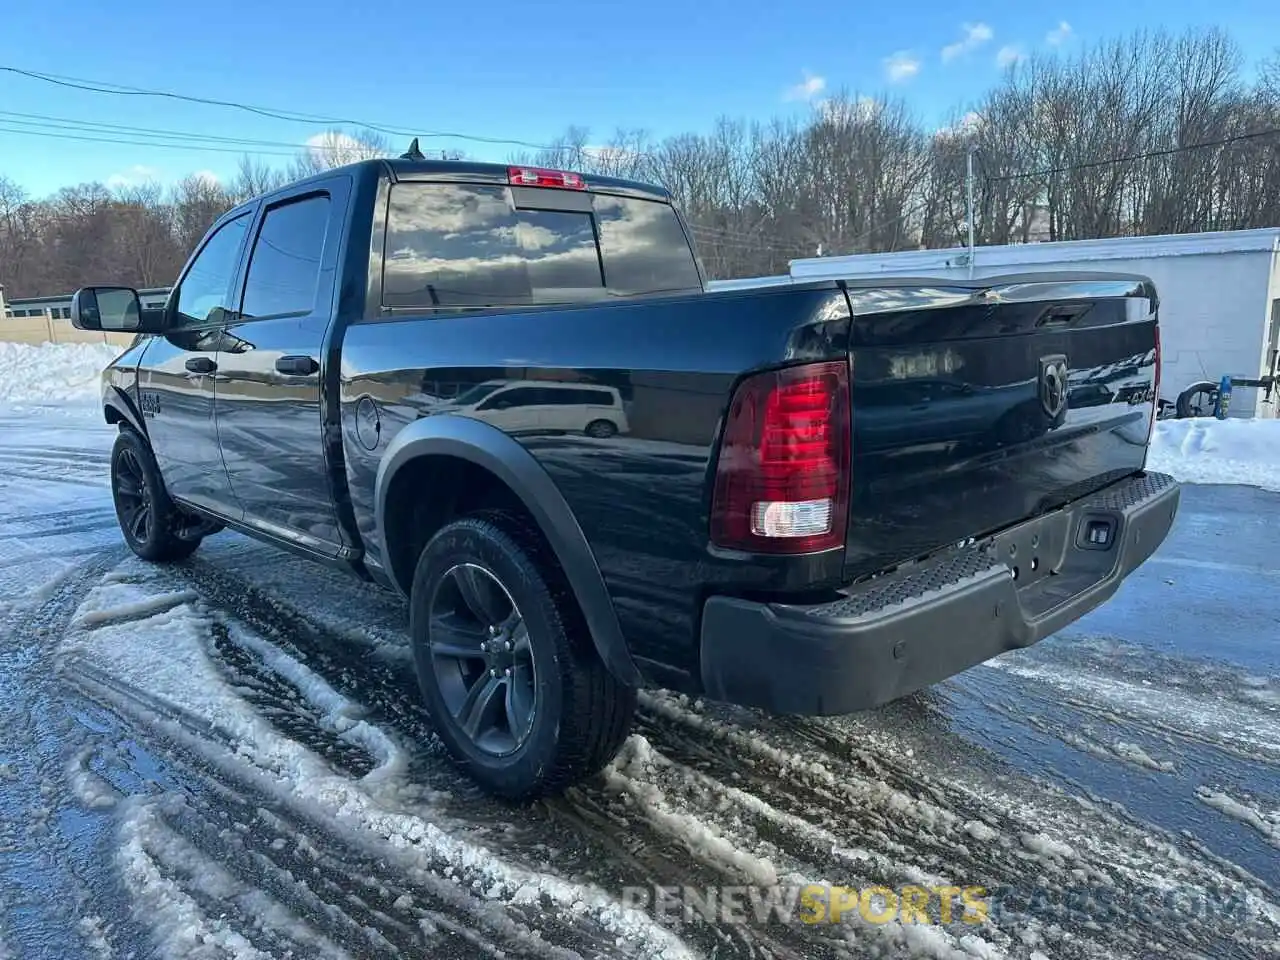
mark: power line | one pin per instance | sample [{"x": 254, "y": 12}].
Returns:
[
  {"x": 1169, "y": 151},
  {"x": 889, "y": 223},
  {"x": 43, "y": 122},
  {"x": 147, "y": 143},
  {"x": 706, "y": 243},
  {"x": 103, "y": 87},
  {"x": 748, "y": 245},
  {"x": 718, "y": 233},
  {"x": 781, "y": 249}
]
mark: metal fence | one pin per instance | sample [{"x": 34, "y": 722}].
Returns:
[{"x": 50, "y": 329}]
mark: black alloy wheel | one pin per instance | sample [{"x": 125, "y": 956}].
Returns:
[
  {"x": 508, "y": 670},
  {"x": 482, "y": 659},
  {"x": 153, "y": 526},
  {"x": 133, "y": 501}
]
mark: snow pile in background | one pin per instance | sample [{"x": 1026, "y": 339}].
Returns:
[
  {"x": 31, "y": 373},
  {"x": 1205, "y": 450}
]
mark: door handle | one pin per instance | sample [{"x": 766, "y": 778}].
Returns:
[
  {"x": 201, "y": 365},
  {"x": 299, "y": 366}
]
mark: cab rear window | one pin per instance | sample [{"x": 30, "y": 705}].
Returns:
[{"x": 470, "y": 246}]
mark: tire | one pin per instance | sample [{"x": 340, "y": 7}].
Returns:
[
  {"x": 1192, "y": 401},
  {"x": 152, "y": 526},
  {"x": 601, "y": 429},
  {"x": 559, "y": 716}
]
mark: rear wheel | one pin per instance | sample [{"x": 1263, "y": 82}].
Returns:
[
  {"x": 601, "y": 429},
  {"x": 506, "y": 666},
  {"x": 153, "y": 527}
]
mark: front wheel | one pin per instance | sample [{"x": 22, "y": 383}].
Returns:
[
  {"x": 152, "y": 526},
  {"x": 505, "y": 663}
]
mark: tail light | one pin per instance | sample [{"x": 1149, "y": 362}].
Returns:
[
  {"x": 782, "y": 479},
  {"x": 538, "y": 177}
]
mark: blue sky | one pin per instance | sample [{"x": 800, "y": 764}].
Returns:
[{"x": 514, "y": 70}]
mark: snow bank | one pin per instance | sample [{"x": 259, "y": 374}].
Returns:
[
  {"x": 52, "y": 371},
  {"x": 1205, "y": 450}
]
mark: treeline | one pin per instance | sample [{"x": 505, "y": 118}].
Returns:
[
  {"x": 139, "y": 235},
  {"x": 1152, "y": 133}
]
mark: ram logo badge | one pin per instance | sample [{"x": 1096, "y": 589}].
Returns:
[{"x": 1053, "y": 384}]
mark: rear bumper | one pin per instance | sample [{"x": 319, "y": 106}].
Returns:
[{"x": 895, "y": 634}]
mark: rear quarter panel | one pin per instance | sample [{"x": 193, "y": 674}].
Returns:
[{"x": 640, "y": 496}]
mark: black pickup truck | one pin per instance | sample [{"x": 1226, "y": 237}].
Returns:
[{"x": 505, "y": 393}]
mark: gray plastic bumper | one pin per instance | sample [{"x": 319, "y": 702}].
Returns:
[{"x": 897, "y": 633}]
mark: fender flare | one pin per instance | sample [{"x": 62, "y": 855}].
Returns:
[
  {"x": 490, "y": 448},
  {"x": 115, "y": 399}
]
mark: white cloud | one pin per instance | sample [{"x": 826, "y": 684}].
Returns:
[
  {"x": 968, "y": 124},
  {"x": 901, "y": 66},
  {"x": 806, "y": 89},
  {"x": 135, "y": 176},
  {"x": 333, "y": 148},
  {"x": 1059, "y": 34},
  {"x": 208, "y": 176},
  {"x": 975, "y": 35},
  {"x": 1010, "y": 54}
]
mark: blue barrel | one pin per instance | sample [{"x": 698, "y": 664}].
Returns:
[{"x": 1224, "y": 398}]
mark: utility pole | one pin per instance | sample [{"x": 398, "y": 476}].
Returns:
[{"x": 968, "y": 202}]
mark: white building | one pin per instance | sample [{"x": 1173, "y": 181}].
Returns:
[
  {"x": 59, "y": 307},
  {"x": 1219, "y": 294}
]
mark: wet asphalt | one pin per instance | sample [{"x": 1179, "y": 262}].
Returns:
[{"x": 1116, "y": 789}]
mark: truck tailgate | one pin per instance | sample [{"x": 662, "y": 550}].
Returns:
[{"x": 978, "y": 405}]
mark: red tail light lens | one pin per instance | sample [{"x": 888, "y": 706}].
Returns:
[
  {"x": 782, "y": 480},
  {"x": 538, "y": 177}
]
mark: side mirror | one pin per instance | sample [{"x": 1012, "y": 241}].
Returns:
[{"x": 113, "y": 309}]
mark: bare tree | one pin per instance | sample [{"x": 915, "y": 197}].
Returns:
[
  {"x": 335, "y": 148},
  {"x": 197, "y": 202},
  {"x": 1149, "y": 133},
  {"x": 254, "y": 178}
]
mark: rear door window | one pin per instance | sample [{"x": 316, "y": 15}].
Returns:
[
  {"x": 468, "y": 245},
  {"x": 284, "y": 271},
  {"x": 517, "y": 397}
]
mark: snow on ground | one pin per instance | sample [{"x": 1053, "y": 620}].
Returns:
[
  {"x": 1266, "y": 822},
  {"x": 273, "y": 789},
  {"x": 159, "y": 652},
  {"x": 58, "y": 372},
  {"x": 1206, "y": 450}
]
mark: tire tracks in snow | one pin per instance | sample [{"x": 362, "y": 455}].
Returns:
[
  {"x": 805, "y": 798},
  {"x": 904, "y": 839},
  {"x": 395, "y": 823},
  {"x": 57, "y": 858},
  {"x": 582, "y": 831}
]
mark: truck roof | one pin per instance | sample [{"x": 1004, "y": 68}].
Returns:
[
  {"x": 456, "y": 171},
  {"x": 476, "y": 172},
  {"x": 470, "y": 171}
]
